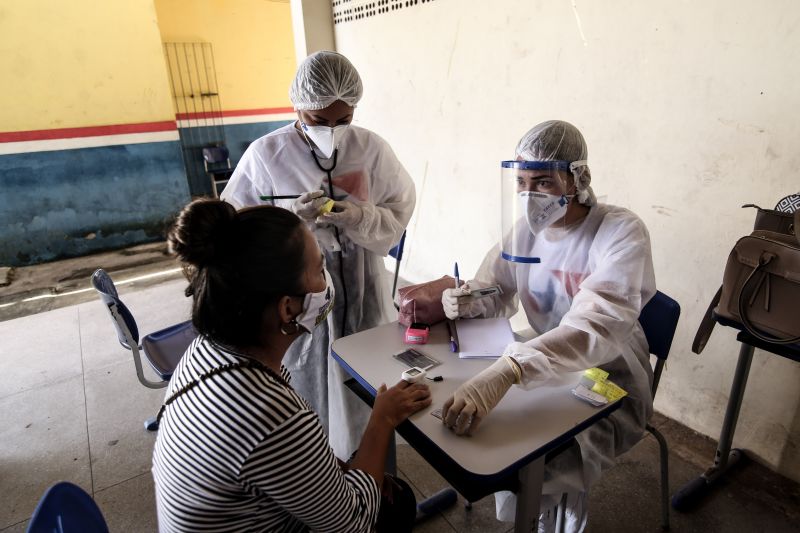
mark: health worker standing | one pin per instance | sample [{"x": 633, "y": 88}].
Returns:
[{"x": 322, "y": 157}]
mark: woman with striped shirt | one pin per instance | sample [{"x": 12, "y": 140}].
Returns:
[{"x": 238, "y": 449}]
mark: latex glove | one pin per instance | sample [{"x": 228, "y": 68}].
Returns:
[
  {"x": 344, "y": 215},
  {"x": 473, "y": 400},
  {"x": 308, "y": 204},
  {"x": 458, "y": 303}
]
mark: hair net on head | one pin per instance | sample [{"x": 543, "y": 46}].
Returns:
[
  {"x": 557, "y": 140},
  {"x": 322, "y": 79}
]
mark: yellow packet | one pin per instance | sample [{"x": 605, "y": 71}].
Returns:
[
  {"x": 596, "y": 374},
  {"x": 326, "y": 207},
  {"x": 602, "y": 385},
  {"x": 610, "y": 390}
]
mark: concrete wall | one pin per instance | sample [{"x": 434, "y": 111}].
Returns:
[
  {"x": 89, "y": 150},
  {"x": 252, "y": 41},
  {"x": 89, "y": 157},
  {"x": 689, "y": 110},
  {"x": 254, "y": 59}
]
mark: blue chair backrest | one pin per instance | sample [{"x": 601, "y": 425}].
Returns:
[
  {"x": 103, "y": 284},
  {"x": 67, "y": 508},
  {"x": 397, "y": 250},
  {"x": 659, "y": 320}
]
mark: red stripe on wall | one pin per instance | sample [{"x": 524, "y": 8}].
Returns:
[
  {"x": 235, "y": 113},
  {"x": 89, "y": 131}
]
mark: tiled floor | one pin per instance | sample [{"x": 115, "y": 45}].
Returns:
[{"x": 72, "y": 409}]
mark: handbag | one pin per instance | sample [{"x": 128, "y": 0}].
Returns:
[
  {"x": 423, "y": 302},
  {"x": 760, "y": 290}
]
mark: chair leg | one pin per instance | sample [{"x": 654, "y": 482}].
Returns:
[
  {"x": 664, "y": 456},
  {"x": 151, "y": 424}
]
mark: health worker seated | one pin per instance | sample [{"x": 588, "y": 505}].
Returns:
[
  {"x": 582, "y": 272},
  {"x": 238, "y": 449}
]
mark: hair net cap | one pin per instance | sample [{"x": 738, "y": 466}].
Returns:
[
  {"x": 557, "y": 140},
  {"x": 322, "y": 79}
]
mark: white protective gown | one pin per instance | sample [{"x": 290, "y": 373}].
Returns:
[
  {"x": 369, "y": 174},
  {"x": 584, "y": 300}
]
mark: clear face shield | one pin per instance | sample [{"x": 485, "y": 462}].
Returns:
[{"x": 534, "y": 197}]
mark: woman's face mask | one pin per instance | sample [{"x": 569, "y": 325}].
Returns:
[
  {"x": 316, "y": 306},
  {"x": 325, "y": 138},
  {"x": 542, "y": 209}
]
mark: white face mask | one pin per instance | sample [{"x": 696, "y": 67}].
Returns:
[
  {"x": 324, "y": 138},
  {"x": 316, "y": 306},
  {"x": 542, "y": 209}
]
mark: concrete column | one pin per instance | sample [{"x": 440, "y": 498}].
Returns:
[{"x": 312, "y": 23}]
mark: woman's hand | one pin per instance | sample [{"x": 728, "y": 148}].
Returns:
[{"x": 395, "y": 404}]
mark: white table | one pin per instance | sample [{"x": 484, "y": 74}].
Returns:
[{"x": 508, "y": 450}]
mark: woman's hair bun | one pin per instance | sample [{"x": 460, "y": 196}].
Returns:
[{"x": 203, "y": 232}]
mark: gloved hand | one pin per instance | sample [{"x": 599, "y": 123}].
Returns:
[
  {"x": 473, "y": 400},
  {"x": 308, "y": 204},
  {"x": 344, "y": 215},
  {"x": 458, "y": 303}
]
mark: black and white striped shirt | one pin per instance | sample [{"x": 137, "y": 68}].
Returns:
[{"x": 242, "y": 452}]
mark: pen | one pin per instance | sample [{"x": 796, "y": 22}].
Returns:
[
  {"x": 451, "y": 330},
  {"x": 455, "y": 275},
  {"x": 281, "y": 197}
]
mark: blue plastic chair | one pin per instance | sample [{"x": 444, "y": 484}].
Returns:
[
  {"x": 397, "y": 253},
  {"x": 67, "y": 508},
  {"x": 659, "y": 320},
  {"x": 162, "y": 349}
]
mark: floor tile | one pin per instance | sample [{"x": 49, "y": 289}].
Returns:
[
  {"x": 22, "y": 527},
  {"x": 117, "y": 405},
  {"x": 42, "y": 440},
  {"x": 130, "y": 505},
  {"x": 431, "y": 524},
  {"x": 39, "y": 349},
  {"x": 480, "y": 518}
]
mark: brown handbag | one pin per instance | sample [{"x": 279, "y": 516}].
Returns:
[
  {"x": 760, "y": 290},
  {"x": 423, "y": 302}
]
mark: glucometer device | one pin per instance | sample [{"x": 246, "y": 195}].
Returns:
[{"x": 413, "y": 375}]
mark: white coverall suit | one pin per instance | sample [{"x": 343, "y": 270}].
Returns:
[{"x": 584, "y": 300}]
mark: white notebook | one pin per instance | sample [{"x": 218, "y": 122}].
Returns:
[{"x": 483, "y": 337}]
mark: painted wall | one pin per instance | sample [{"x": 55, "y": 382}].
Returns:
[
  {"x": 89, "y": 158},
  {"x": 689, "y": 111},
  {"x": 252, "y": 41},
  {"x": 254, "y": 55},
  {"x": 81, "y": 63}
]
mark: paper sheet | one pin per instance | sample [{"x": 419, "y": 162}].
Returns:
[{"x": 483, "y": 337}]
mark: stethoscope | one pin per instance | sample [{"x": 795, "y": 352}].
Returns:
[{"x": 329, "y": 172}]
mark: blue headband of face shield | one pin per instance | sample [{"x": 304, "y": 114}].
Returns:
[{"x": 537, "y": 165}]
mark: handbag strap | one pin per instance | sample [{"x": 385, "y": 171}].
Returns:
[
  {"x": 763, "y": 261},
  {"x": 706, "y": 325}
]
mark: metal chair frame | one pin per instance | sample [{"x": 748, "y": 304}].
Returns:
[
  {"x": 659, "y": 320},
  {"x": 162, "y": 349}
]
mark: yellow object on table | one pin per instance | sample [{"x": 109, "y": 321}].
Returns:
[
  {"x": 597, "y": 381},
  {"x": 327, "y": 207}
]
